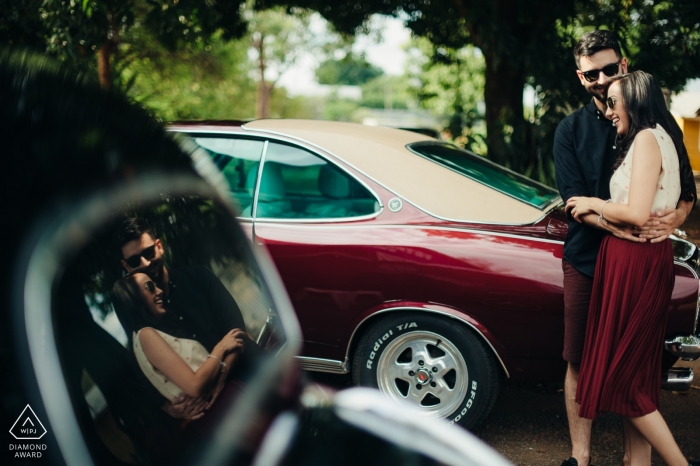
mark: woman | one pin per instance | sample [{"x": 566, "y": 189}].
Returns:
[
  {"x": 174, "y": 365},
  {"x": 621, "y": 366}
]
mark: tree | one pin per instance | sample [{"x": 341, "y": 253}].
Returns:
[
  {"x": 78, "y": 31},
  {"x": 353, "y": 70},
  {"x": 194, "y": 81},
  {"x": 450, "y": 83},
  {"x": 277, "y": 39},
  {"x": 531, "y": 43}
]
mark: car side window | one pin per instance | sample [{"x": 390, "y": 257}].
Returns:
[
  {"x": 298, "y": 184},
  {"x": 238, "y": 160}
]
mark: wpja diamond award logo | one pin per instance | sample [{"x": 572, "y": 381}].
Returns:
[{"x": 28, "y": 427}]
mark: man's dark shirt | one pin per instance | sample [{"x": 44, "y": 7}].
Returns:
[
  {"x": 201, "y": 305},
  {"x": 584, "y": 153}
]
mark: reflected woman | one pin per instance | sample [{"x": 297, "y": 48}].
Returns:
[{"x": 173, "y": 364}]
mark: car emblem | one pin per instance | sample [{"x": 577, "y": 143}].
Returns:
[
  {"x": 395, "y": 204},
  {"x": 423, "y": 376}
]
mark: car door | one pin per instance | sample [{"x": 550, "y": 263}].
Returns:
[{"x": 312, "y": 216}]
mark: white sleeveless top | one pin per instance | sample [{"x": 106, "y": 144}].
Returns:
[
  {"x": 191, "y": 351},
  {"x": 668, "y": 187}
]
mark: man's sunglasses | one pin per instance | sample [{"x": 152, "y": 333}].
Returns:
[
  {"x": 149, "y": 253},
  {"x": 608, "y": 70},
  {"x": 150, "y": 286}
]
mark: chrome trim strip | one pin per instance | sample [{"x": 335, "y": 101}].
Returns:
[
  {"x": 258, "y": 180},
  {"x": 686, "y": 348},
  {"x": 415, "y": 309},
  {"x": 391, "y": 190},
  {"x": 692, "y": 251},
  {"x": 683, "y": 264},
  {"x": 331, "y": 366},
  {"x": 466, "y": 230},
  {"x": 678, "y": 379},
  {"x": 290, "y": 139},
  {"x": 442, "y": 143},
  {"x": 322, "y": 220}
]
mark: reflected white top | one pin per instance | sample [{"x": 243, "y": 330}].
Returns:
[
  {"x": 668, "y": 187},
  {"x": 191, "y": 351}
]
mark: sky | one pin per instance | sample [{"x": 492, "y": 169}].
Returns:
[{"x": 386, "y": 54}]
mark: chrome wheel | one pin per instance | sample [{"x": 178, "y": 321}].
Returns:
[{"x": 425, "y": 370}]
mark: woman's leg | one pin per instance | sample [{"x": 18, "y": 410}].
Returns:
[
  {"x": 656, "y": 432},
  {"x": 637, "y": 449}
]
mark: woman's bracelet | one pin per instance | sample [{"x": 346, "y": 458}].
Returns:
[
  {"x": 222, "y": 364},
  {"x": 600, "y": 217}
]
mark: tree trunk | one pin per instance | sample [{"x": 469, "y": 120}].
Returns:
[
  {"x": 104, "y": 56},
  {"x": 505, "y": 125},
  {"x": 104, "y": 65},
  {"x": 262, "y": 101}
]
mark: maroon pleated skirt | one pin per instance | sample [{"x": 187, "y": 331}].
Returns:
[{"x": 621, "y": 365}]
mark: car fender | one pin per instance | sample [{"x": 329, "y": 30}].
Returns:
[{"x": 371, "y": 314}]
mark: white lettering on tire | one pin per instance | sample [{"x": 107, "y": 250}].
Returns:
[{"x": 469, "y": 404}]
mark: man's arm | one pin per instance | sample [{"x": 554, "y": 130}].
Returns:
[
  {"x": 568, "y": 173},
  {"x": 186, "y": 407},
  {"x": 662, "y": 224},
  {"x": 223, "y": 307}
]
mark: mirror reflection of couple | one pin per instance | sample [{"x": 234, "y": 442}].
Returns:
[
  {"x": 618, "y": 261},
  {"x": 184, "y": 328}
]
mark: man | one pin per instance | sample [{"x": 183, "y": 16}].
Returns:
[
  {"x": 192, "y": 295},
  {"x": 584, "y": 152}
]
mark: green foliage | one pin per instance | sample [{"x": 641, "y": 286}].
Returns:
[
  {"x": 193, "y": 82},
  {"x": 392, "y": 92},
  {"x": 352, "y": 70}
]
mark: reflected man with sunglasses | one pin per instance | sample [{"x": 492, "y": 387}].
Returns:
[
  {"x": 193, "y": 297},
  {"x": 585, "y": 149}
]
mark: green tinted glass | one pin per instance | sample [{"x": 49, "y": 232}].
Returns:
[{"x": 488, "y": 173}]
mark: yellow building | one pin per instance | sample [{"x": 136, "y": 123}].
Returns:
[{"x": 685, "y": 106}]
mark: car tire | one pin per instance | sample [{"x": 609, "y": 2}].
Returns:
[{"x": 435, "y": 364}]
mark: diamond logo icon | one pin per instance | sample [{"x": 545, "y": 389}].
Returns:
[{"x": 28, "y": 426}]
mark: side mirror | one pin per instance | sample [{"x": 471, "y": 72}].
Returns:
[{"x": 101, "y": 405}]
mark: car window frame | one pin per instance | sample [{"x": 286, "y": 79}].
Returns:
[{"x": 267, "y": 138}]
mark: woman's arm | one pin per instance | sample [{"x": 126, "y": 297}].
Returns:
[
  {"x": 645, "y": 174},
  {"x": 166, "y": 360}
]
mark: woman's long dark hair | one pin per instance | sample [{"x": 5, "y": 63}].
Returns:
[
  {"x": 646, "y": 107},
  {"x": 133, "y": 313}
]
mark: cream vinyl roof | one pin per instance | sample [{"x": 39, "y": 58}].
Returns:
[{"x": 381, "y": 154}]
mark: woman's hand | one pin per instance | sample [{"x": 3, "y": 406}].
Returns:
[
  {"x": 579, "y": 206},
  {"x": 233, "y": 341}
]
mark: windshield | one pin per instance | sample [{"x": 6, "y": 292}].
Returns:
[{"x": 488, "y": 173}]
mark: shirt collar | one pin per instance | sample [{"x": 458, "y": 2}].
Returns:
[{"x": 591, "y": 107}]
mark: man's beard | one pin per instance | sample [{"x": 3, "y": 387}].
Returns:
[
  {"x": 155, "y": 271},
  {"x": 599, "y": 92}
]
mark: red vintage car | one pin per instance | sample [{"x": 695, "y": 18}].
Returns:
[{"x": 418, "y": 267}]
